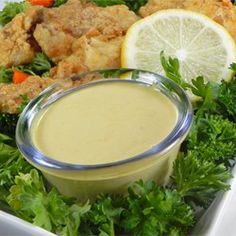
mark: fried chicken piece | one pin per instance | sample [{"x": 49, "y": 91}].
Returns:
[
  {"x": 82, "y": 36},
  {"x": 90, "y": 53},
  {"x": 15, "y": 45},
  {"x": 78, "y": 18},
  {"x": 55, "y": 43},
  {"x": 221, "y": 11},
  {"x": 10, "y": 94}
]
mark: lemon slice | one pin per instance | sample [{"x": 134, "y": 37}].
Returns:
[{"x": 203, "y": 47}]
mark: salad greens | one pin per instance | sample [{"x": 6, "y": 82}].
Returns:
[
  {"x": 105, "y": 3},
  {"x": 23, "y": 191},
  {"x": 5, "y": 75},
  {"x": 10, "y": 10},
  {"x": 201, "y": 170},
  {"x": 8, "y": 123},
  {"x": 40, "y": 65},
  {"x": 58, "y": 3},
  {"x": 50, "y": 210},
  {"x": 133, "y": 5}
]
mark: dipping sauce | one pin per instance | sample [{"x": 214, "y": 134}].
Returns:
[{"x": 104, "y": 123}]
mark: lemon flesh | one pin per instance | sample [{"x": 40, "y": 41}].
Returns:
[{"x": 203, "y": 47}]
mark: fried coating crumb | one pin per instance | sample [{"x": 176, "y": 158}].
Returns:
[
  {"x": 15, "y": 44},
  {"x": 10, "y": 94},
  {"x": 89, "y": 53},
  {"x": 82, "y": 36},
  {"x": 221, "y": 11}
]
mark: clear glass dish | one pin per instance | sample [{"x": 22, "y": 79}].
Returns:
[{"x": 86, "y": 181}]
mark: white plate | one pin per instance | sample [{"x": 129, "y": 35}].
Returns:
[
  {"x": 219, "y": 219},
  {"x": 13, "y": 226}
]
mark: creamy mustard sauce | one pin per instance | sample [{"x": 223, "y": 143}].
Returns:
[{"x": 104, "y": 123}]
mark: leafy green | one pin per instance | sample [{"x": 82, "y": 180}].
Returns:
[
  {"x": 50, "y": 210},
  {"x": 11, "y": 164},
  {"x": 58, "y": 3},
  {"x": 203, "y": 168},
  {"x": 198, "y": 179},
  {"x": 216, "y": 98},
  {"x": 24, "y": 102},
  {"x": 5, "y": 75},
  {"x": 104, "y": 215},
  {"x": 40, "y": 65},
  {"x": 152, "y": 210},
  {"x": 133, "y": 5},
  {"x": 10, "y": 10},
  {"x": 171, "y": 68},
  {"x": 147, "y": 209},
  {"x": 233, "y": 66},
  {"x": 227, "y": 99},
  {"x": 105, "y": 3},
  {"x": 8, "y": 123},
  {"x": 23, "y": 189},
  {"x": 213, "y": 138}
]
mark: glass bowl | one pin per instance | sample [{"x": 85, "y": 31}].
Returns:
[{"x": 87, "y": 180}]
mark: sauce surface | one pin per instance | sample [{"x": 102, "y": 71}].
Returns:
[{"x": 104, "y": 123}]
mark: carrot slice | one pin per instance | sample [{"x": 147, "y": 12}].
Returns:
[
  {"x": 45, "y": 3},
  {"x": 19, "y": 77}
]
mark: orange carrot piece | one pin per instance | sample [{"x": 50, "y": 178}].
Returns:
[
  {"x": 45, "y": 3},
  {"x": 19, "y": 77}
]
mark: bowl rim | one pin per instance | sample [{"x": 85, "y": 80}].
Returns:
[{"x": 179, "y": 132}]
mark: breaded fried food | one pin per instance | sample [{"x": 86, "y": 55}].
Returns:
[
  {"x": 15, "y": 45},
  {"x": 90, "y": 53},
  {"x": 11, "y": 94},
  {"x": 83, "y": 36},
  {"x": 77, "y": 37},
  {"x": 221, "y": 11}
]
